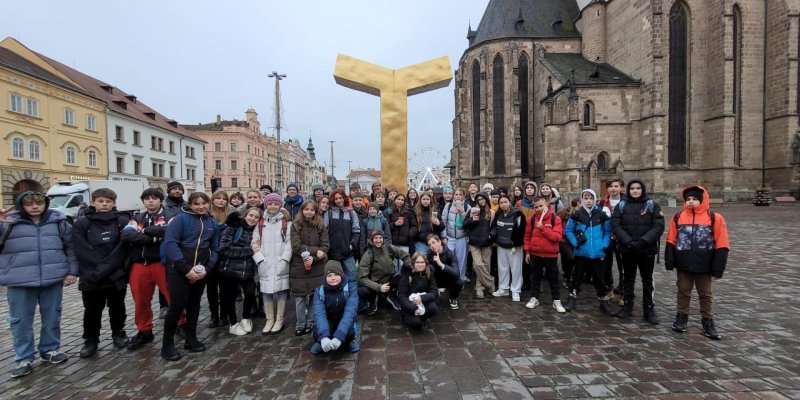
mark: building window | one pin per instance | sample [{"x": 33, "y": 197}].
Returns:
[
  {"x": 18, "y": 146},
  {"x": 92, "y": 159},
  {"x": 69, "y": 117},
  {"x": 737, "y": 84},
  {"x": 171, "y": 147},
  {"x": 524, "y": 134},
  {"x": 498, "y": 115},
  {"x": 70, "y": 155},
  {"x": 678, "y": 82},
  {"x": 119, "y": 134},
  {"x": 190, "y": 174},
  {"x": 120, "y": 164},
  {"x": 171, "y": 171},
  {"x": 234, "y": 182},
  {"x": 137, "y": 167},
  {"x": 588, "y": 114},
  {"x": 91, "y": 123},
  {"x": 15, "y": 104},
  {"x": 233, "y": 146},
  {"x": 217, "y": 146},
  {"x": 217, "y": 164},
  {"x": 476, "y": 118},
  {"x": 137, "y": 138},
  {"x": 233, "y": 164},
  {"x": 190, "y": 151},
  {"x": 158, "y": 170},
  {"x": 33, "y": 150},
  {"x": 160, "y": 144},
  {"x": 602, "y": 162},
  {"x": 33, "y": 107}
]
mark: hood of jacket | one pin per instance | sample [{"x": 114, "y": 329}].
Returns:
[
  {"x": 703, "y": 207},
  {"x": 18, "y": 204},
  {"x": 641, "y": 198}
]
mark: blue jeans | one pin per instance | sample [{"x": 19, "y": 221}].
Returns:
[
  {"x": 421, "y": 247},
  {"x": 22, "y": 303},
  {"x": 349, "y": 266},
  {"x": 459, "y": 246}
]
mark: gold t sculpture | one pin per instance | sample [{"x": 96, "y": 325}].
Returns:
[{"x": 393, "y": 86}]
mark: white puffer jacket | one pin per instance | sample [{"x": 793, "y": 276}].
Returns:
[{"x": 276, "y": 252}]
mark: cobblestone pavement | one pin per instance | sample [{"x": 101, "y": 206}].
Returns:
[{"x": 490, "y": 348}]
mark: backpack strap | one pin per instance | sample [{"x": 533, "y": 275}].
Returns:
[
  {"x": 237, "y": 235},
  {"x": 710, "y": 214}
]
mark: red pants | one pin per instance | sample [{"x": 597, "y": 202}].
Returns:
[{"x": 144, "y": 279}]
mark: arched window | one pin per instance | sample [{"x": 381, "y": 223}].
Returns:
[
  {"x": 476, "y": 118},
  {"x": 92, "y": 158},
  {"x": 18, "y": 148},
  {"x": 498, "y": 114},
  {"x": 678, "y": 82},
  {"x": 602, "y": 162},
  {"x": 70, "y": 155},
  {"x": 588, "y": 114},
  {"x": 33, "y": 150},
  {"x": 522, "y": 89},
  {"x": 737, "y": 84}
]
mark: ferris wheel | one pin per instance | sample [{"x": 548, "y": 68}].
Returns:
[{"x": 426, "y": 168}]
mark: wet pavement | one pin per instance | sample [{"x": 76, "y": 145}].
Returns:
[{"x": 487, "y": 349}]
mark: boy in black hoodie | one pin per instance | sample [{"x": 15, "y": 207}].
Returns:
[{"x": 101, "y": 254}]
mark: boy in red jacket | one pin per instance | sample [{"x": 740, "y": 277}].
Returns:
[{"x": 542, "y": 236}]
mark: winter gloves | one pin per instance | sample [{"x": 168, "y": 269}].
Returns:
[{"x": 330, "y": 344}]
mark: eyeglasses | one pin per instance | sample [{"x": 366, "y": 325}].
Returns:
[{"x": 420, "y": 262}]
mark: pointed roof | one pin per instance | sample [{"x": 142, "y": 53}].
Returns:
[{"x": 541, "y": 19}]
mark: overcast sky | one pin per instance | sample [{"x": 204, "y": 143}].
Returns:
[{"x": 192, "y": 60}]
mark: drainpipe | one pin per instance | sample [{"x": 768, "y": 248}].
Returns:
[{"x": 764, "y": 103}]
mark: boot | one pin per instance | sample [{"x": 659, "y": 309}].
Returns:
[
  {"x": 605, "y": 307},
  {"x": 269, "y": 310},
  {"x": 650, "y": 315},
  {"x": 625, "y": 311},
  {"x": 681, "y": 320},
  {"x": 279, "y": 318},
  {"x": 168, "y": 350},
  {"x": 709, "y": 329},
  {"x": 572, "y": 302}
]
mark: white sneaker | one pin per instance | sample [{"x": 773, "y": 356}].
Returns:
[
  {"x": 557, "y": 305},
  {"x": 247, "y": 325},
  {"x": 515, "y": 297},
  {"x": 532, "y": 303},
  {"x": 236, "y": 329},
  {"x": 500, "y": 293}
]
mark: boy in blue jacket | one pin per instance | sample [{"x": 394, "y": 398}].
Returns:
[
  {"x": 335, "y": 306},
  {"x": 589, "y": 233}
]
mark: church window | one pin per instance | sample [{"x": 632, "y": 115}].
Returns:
[
  {"x": 498, "y": 114},
  {"x": 588, "y": 114},
  {"x": 522, "y": 85},
  {"x": 678, "y": 83},
  {"x": 602, "y": 162},
  {"x": 737, "y": 84},
  {"x": 476, "y": 118}
]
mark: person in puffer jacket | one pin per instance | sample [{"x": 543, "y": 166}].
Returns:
[
  {"x": 589, "y": 232},
  {"x": 542, "y": 237},
  {"x": 697, "y": 246},
  {"x": 376, "y": 272},
  {"x": 375, "y": 221},
  {"x": 478, "y": 224},
  {"x": 508, "y": 230},
  {"x": 427, "y": 221},
  {"x": 334, "y": 309},
  {"x": 638, "y": 224},
  {"x": 454, "y": 214},
  {"x": 419, "y": 282},
  {"x": 37, "y": 260},
  {"x": 273, "y": 253},
  {"x": 237, "y": 269},
  {"x": 344, "y": 232}
]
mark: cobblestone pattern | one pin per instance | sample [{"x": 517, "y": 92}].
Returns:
[{"x": 490, "y": 348}]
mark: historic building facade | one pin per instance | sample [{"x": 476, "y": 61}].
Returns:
[
  {"x": 672, "y": 91},
  {"x": 50, "y": 128}
]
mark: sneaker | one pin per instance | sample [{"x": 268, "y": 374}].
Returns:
[
  {"x": 24, "y": 367},
  {"x": 532, "y": 303},
  {"x": 649, "y": 315},
  {"x": 373, "y": 307},
  {"x": 170, "y": 353},
  {"x": 467, "y": 280},
  {"x": 194, "y": 346},
  {"x": 681, "y": 320},
  {"x": 710, "y": 330},
  {"x": 453, "y": 304},
  {"x": 237, "y": 329},
  {"x": 163, "y": 312},
  {"x": 354, "y": 347},
  {"x": 515, "y": 297},
  {"x": 54, "y": 357},
  {"x": 247, "y": 325},
  {"x": 441, "y": 290},
  {"x": 316, "y": 348},
  {"x": 393, "y": 301},
  {"x": 501, "y": 293},
  {"x": 479, "y": 294},
  {"x": 120, "y": 339},
  {"x": 141, "y": 339},
  {"x": 605, "y": 307},
  {"x": 559, "y": 308}
]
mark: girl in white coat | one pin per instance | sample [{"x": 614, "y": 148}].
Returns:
[{"x": 273, "y": 251}]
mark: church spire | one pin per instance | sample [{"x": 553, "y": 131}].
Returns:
[{"x": 310, "y": 149}]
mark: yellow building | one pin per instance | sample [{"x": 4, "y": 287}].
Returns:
[{"x": 50, "y": 129}]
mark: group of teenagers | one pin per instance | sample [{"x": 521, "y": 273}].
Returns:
[{"x": 338, "y": 255}]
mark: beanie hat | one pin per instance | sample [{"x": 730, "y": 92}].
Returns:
[
  {"x": 694, "y": 192},
  {"x": 272, "y": 198},
  {"x": 335, "y": 267},
  {"x": 317, "y": 186},
  {"x": 292, "y": 185},
  {"x": 375, "y": 206},
  {"x": 447, "y": 189},
  {"x": 502, "y": 189},
  {"x": 488, "y": 186},
  {"x": 375, "y": 232},
  {"x": 174, "y": 184},
  {"x": 268, "y": 187},
  {"x": 375, "y": 184}
]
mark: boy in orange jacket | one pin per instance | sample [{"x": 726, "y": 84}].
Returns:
[
  {"x": 697, "y": 246},
  {"x": 542, "y": 237}
]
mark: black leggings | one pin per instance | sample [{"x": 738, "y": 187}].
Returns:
[
  {"x": 213, "y": 288},
  {"x": 183, "y": 295},
  {"x": 415, "y": 321},
  {"x": 229, "y": 290}
]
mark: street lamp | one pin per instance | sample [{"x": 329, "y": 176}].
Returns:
[{"x": 279, "y": 171}]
